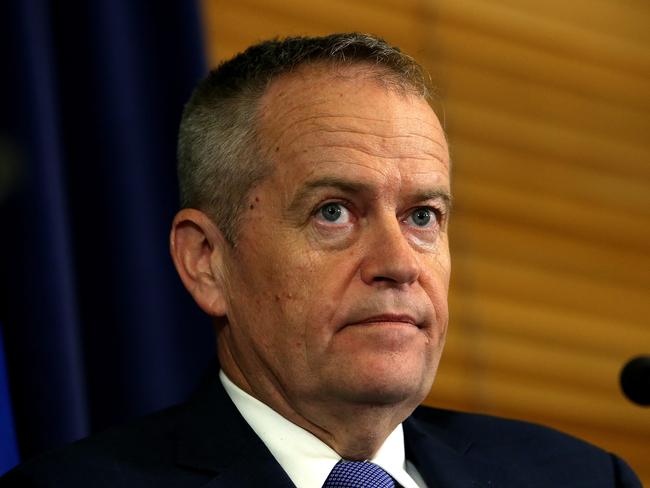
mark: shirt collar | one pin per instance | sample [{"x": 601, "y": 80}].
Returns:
[{"x": 304, "y": 457}]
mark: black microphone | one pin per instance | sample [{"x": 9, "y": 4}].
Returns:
[{"x": 635, "y": 380}]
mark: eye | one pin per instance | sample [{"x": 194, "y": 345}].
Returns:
[
  {"x": 334, "y": 212},
  {"x": 422, "y": 217}
]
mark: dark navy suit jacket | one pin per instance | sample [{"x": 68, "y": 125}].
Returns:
[{"x": 207, "y": 443}]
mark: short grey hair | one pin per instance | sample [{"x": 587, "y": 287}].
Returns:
[{"x": 219, "y": 150}]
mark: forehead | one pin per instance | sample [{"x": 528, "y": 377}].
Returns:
[{"x": 323, "y": 118}]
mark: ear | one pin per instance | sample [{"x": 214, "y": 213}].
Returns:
[{"x": 197, "y": 248}]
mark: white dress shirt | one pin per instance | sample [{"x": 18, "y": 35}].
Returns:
[{"x": 304, "y": 457}]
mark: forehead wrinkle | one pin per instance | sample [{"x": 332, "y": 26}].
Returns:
[
  {"x": 380, "y": 156},
  {"x": 428, "y": 137},
  {"x": 267, "y": 109},
  {"x": 356, "y": 163},
  {"x": 323, "y": 117},
  {"x": 383, "y": 171},
  {"x": 346, "y": 130},
  {"x": 358, "y": 146},
  {"x": 417, "y": 173},
  {"x": 365, "y": 134}
]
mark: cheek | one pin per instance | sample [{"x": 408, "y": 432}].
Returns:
[
  {"x": 444, "y": 265},
  {"x": 435, "y": 281},
  {"x": 322, "y": 290},
  {"x": 280, "y": 282},
  {"x": 442, "y": 261}
]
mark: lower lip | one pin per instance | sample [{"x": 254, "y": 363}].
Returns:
[{"x": 384, "y": 323}]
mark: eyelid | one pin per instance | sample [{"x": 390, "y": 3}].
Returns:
[{"x": 440, "y": 209}]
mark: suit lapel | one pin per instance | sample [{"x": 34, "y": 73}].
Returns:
[
  {"x": 251, "y": 473},
  {"x": 448, "y": 459},
  {"x": 214, "y": 438},
  {"x": 440, "y": 461}
]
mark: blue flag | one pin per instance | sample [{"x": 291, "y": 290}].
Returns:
[{"x": 8, "y": 446}]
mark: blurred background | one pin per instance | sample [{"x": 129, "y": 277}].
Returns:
[{"x": 547, "y": 109}]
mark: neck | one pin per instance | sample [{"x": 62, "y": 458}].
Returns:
[{"x": 355, "y": 431}]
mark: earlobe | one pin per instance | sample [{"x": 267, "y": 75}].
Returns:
[{"x": 197, "y": 247}]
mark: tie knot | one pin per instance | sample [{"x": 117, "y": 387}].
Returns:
[{"x": 358, "y": 474}]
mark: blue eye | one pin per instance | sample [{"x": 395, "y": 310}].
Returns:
[
  {"x": 421, "y": 216},
  {"x": 331, "y": 212},
  {"x": 334, "y": 213}
]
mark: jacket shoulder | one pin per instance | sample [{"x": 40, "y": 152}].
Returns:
[
  {"x": 493, "y": 429},
  {"x": 142, "y": 449},
  {"x": 524, "y": 446}
]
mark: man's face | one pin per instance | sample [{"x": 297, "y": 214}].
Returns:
[{"x": 337, "y": 286}]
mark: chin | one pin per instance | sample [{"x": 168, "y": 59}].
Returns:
[{"x": 388, "y": 383}]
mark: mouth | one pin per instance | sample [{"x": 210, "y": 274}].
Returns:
[{"x": 399, "y": 319}]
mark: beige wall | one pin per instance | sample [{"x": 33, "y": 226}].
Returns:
[{"x": 547, "y": 106}]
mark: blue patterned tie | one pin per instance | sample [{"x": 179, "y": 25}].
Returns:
[{"x": 358, "y": 474}]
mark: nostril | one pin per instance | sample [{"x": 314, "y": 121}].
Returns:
[{"x": 383, "y": 278}]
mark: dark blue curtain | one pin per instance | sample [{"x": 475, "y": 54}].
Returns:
[{"x": 96, "y": 324}]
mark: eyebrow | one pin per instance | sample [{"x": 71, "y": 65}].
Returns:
[
  {"x": 349, "y": 186},
  {"x": 345, "y": 185},
  {"x": 436, "y": 194}
]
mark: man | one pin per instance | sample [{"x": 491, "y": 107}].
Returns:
[{"x": 316, "y": 195}]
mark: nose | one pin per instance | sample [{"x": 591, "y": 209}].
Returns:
[{"x": 389, "y": 257}]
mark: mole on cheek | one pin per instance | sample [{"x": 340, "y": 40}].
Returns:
[{"x": 252, "y": 205}]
